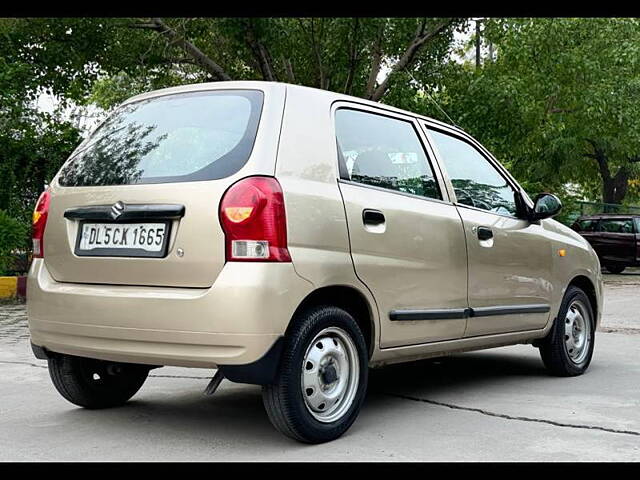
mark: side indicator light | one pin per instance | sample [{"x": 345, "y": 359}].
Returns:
[{"x": 562, "y": 252}]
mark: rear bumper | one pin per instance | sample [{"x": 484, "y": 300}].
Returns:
[{"x": 234, "y": 322}]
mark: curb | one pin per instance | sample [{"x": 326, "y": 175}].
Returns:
[{"x": 11, "y": 287}]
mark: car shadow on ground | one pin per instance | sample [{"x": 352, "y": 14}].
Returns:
[
  {"x": 628, "y": 272},
  {"x": 470, "y": 370},
  {"x": 236, "y": 413}
]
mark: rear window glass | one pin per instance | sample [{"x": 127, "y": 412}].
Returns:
[{"x": 174, "y": 138}]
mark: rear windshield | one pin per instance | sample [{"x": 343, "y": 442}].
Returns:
[{"x": 175, "y": 138}]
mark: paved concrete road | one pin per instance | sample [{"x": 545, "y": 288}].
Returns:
[
  {"x": 622, "y": 301},
  {"x": 495, "y": 405}
]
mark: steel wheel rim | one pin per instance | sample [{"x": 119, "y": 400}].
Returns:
[
  {"x": 330, "y": 374},
  {"x": 577, "y": 331}
]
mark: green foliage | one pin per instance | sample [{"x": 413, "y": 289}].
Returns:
[
  {"x": 102, "y": 61},
  {"x": 13, "y": 239},
  {"x": 558, "y": 90},
  {"x": 32, "y": 149},
  {"x": 74, "y": 57},
  {"x": 557, "y": 87}
]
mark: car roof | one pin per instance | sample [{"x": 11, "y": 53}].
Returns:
[{"x": 268, "y": 86}]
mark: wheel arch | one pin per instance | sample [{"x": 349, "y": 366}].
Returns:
[
  {"x": 587, "y": 286},
  {"x": 350, "y": 299}
]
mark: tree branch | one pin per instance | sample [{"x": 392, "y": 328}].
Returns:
[
  {"x": 353, "y": 58},
  {"x": 181, "y": 61},
  {"x": 376, "y": 62},
  {"x": 173, "y": 38},
  {"x": 314, "y": 43},
  {"x": 260, "y": 52},
  {"x": 563, "y": 110},
  {"x": 600, "y": 157},
  {"x": 406, "y": 59},
  {"x": 288, "y": 67}
]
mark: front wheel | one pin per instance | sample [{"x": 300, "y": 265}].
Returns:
[
  {"x": 92, "y": 383},
  {"x": 322, "y": 377},
  {"x": 567, "y": 349}
]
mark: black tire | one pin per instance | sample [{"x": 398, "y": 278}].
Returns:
[
  {"x": 284, "y": 401},
  {"x": 615, "y": 268},
  {"x": 553, "y": 348},
  {"x": 94, "y": 384}
]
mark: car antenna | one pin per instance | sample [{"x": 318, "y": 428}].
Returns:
[{"x": 436, "y": 103}]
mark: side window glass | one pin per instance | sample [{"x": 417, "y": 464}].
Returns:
[
  {"x": 617, "y": 226},
  {"x": 588, "y": 225},
  {"x": 475, "y": 181},
  {"x": 384, "y": 152},
  {"x": 637, "y": 220}
]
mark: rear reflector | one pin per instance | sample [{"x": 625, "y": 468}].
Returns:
[{"x": 254, "y": 222}]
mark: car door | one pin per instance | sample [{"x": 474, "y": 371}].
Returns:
[
  {"x": 636, "y": 224},
  {"x": 589, "y": 229},
  {"x": 407, "y": 240},
  {"x": 618, "y": 240},
  {"x": 510, "y": 258}
]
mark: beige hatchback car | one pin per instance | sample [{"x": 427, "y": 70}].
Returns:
[{"x": 291, "y": 238}]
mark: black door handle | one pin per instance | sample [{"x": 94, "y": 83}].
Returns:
[
  {"x": 484, "y": 233},
  {"x": 372, "y": 217}
]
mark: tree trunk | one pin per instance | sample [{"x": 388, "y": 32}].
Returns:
[
  {"x": 614, "y": 187},
  {"x": 477, "y": 44}
]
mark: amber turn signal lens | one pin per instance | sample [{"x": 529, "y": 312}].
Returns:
[
  {"x": 562, "y": 252},
  {"x": 238, "y": 214}
]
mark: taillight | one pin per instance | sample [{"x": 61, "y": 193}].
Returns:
[
  {"x": 254, "y": 222},
  {"x": 40, "y": 215}
]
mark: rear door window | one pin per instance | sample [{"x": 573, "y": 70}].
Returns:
[
  {"x": 384, "y": 152},
  {"x": 174, "y": 138},
  {"x": 616, "y": 225}
]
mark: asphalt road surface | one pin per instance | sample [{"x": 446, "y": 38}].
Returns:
[{"x": 493, "y": 405}]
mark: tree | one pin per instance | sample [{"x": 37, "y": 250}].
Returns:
[
  {"x": 357, "y": 56},
  {"x": 102, "y": 61},
  {"x": 557, "y": 104}
]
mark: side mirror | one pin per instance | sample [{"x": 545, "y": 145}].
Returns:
[{"x": 545, "y": 205}]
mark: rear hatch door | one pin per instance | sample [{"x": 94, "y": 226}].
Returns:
[{"x": 158, "y": 167}]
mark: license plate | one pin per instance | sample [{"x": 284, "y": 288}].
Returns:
[{"x": 122, "y": 239}]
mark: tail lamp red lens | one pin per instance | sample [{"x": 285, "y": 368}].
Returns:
[
  {"x": 40, "y": 215},
  {"x": 254, "y": 222}
]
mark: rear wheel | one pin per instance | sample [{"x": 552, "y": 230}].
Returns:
[
  {"x": 615, "y": 268},
  {"x": 567, "y": 349},
  {"x": 92, "y": 383},
  {"x": 322, "y": 378}
]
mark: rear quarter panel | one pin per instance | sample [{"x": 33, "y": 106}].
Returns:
[{"x": 307, "y": 170}]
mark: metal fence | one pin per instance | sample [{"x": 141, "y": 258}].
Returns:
[{"x": 593, "y": 208}]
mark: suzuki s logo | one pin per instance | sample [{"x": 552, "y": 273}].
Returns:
[{"x": 117, "y": 209}]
